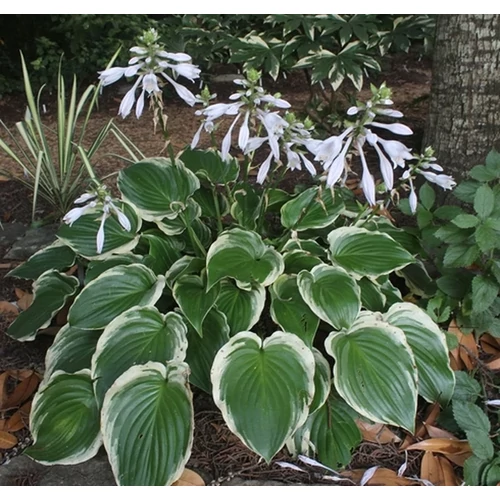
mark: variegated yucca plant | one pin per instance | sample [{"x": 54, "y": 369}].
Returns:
[{"x": 180, "y": 278}]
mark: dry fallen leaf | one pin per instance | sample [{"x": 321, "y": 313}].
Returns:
[
  {"x": 431, "y": 416},
  {"x": 20, "y": 374},
  {"x": 438, "y": 470},
  {"x": 494, "y": 365},
  {"x": 489, "y": 344},
  {"x": 377, "y": 433},
  {"x": 189, "y": 478},
  {"x": 8, "y": 308},
  {"x": 456, "y": 450},
  {"x": 22, "y": 392},
  {"x": 25, "y": 301},
  {"x": 381, "y": 477},
  {"x": 3, "y": 388},
  {"x": 466, "y": 353},
  {"x": 3, "y": 423},
  {"x": 7, "y": 440},
  {"x": 436, "y": 432}
]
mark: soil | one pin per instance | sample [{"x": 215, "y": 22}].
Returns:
[{"x": 216, "y": 450}]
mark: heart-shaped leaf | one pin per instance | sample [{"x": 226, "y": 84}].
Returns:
[
  {"x": 56, "y": 256},
  {"x": 436, "y": 380},
  {"x": 332, "y": 294},
  {"x": 137, "y": 336},
  {"x": 147, "y": 424},
  {"x": 113, "y": 292},
  {"x": 81, "y": 235},
  {"x": 242, "y": 255},
  {"x": 366, "y": 253},
  {"x": 71, "y": 351},
  {"x": 375, "y": 371},
  {"x": 164, "y": 250},
  {"x": 64, "y": 420},
  {"x": 289, "y": 310},
  {"x": 97, "y": 267},
  {"x": 242, "y": 308},
  {"x": 209, "y": 165},
  {"x": 177, "y": 225},
  {"x": 194, "y": 299},
  {"x": 50, "y": 292},
  {"x": 264, "y": 388},
  {"x": 315, "y": 208},
  {"x": 157, "y": 188}
]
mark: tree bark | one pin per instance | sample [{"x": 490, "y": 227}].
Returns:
[{"x": 464, "y": 115}]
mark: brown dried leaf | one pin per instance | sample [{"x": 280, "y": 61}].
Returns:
[
  {"x": 7, "y": 440},
  {"x": 430, "y": 469},
  {"x": 377, "y": 433},
  {"x": 3, "y": 388},
  {"x": 467, "y": 350},
  {"x": 494, "y": 365},
  {"x": 442, "y": 445},
  {"x": 3, "y": 423},
  {"x": 8, "y": 308},
  {"x": 436, "y": 432},
  {"x": 23, "y": 391},
  {"x": 189, "y": 478},
  {"x": 25, "y": 301},
  {"x": 489, "y": 344},
  {"x": 381, "y": 477},
  {"x": 20, "y": 374},
  {"x": 450, "y": 478},
  {"x": 72, "y": 270},
  {"x": 16, "y": 422}
]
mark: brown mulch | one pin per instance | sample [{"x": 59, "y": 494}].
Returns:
[{"x": 216, "y": 450}]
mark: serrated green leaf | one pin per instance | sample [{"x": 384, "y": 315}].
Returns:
[
  {"x": 493, "y": 161},
  {"x": 448, "y": 212},
  {"x": 484, "y": 201},
  {"x": 147, "y": 424},
  {"x": 486, "y": 237},
  {"x": 460, "y": 256},
  {"x": 483, "y": 173},
  {"x": 465, "y": 221},
  {"x": 473, "y": 468},
  {"x": 466, "y": 191},
  {"x": 467, "y": 389},
  {"x": 427, "y": 196},
  {"x": 481, "y": 444},
  {"x": 484, "y": 292}
]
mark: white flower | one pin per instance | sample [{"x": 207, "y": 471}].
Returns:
[
  {"x": 75, "y": 213},
  {"x": 185, "y": 94},
  {"x": 336, "y": 168},
  {"x": 444, "y": 181},
  {"x": 128, "y": 100},
  {"x": 396, "y": 151},
  {"x": 386, "y": 168},
  {"x": 111, "y": 75},
  {"x": 367, "y": 182},
  {"x": 395, "y": 128},
  {"x": 412, "y": 198},
  {"x": 264, "y": 169}
]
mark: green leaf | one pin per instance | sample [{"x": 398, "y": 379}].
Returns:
[
  {"x": 64, "y": 420},
  {"x": 456, "y": 284},
  {"x": 424, "y": 218},
  {"x": 466, "y": 191},
  {"x": 264, "y": 388},
  {"x": 175, "y": 225},
  {"x": 374, "y": 372},
  {"x": 186, "y": 265},
  {"x": 210, "y": 166},
  {"x": 486, "y": 237},
  {"x": 147, "y": 424},
  {"x": 372, "y": 297},
  {"x": 427, "y": 196},
  {"x": 242, "y": 255},
  {"x": 334, "y": 433},
  {"x": 465, "y": 221},
  {"x": 467, "y": 389},
  {"x": 447, "y": 212},
  {"x": 313, "y": 209},
  {"x": 481, "y": 444},
  {"x": 473, "y": 468},
  {"x": 484, "y": 201},
  {"x": 298, "y": 260},
  {"x": 484, "y": 292},
  {"x": 201, "y": 351},
  {"x": 290, "y": 312},
  {"x": 242, "y": 308},
  {"x": 366, "y": 253},
  {"x": 322, "y": 381},
  {"x": 460, "y": 256},
  {"x": 157, "y": 188},
  {"x": 310, "y": 246},
  {"x": 332, "y": 294},
  {"x": 483, "y": 173},
  {"x": 71, "y": 351},
  {"x": 470, "y": 417},
  {"x": 164, "y": 250},
  {"x": 137, "y": 336},
  {"x": 493, "y": 161},
  {"x": 452, "y": 234},
  {"x": 97, "y": 267},
  {"x": 51, "y": 291},
  {"x": 194, "y": 300},
  {"x": 436, "y": 379},
  {"x": 114, "y": 292},
  {"x": 246, "y": 207},
  {"x": 81, "y": 235},
  {"x": 56, "y": 256}
]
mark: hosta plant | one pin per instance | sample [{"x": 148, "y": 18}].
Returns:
[{"x": 180, "y": 277}]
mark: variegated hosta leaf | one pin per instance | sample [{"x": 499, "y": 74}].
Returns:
[
  {"x": 201, "y": 351},
  {"x": 322, "y": 381},
  {"x": 113, "y": 292},
  {"x": 332, "y": 433},
  {"x": 157, "y": 188},
  {"x": 56, "y": 256},
  {"x": 177, "y": 225},
  {"x": 71, "y": 351},
  {"x": 165, "y": 250},
  {"x": 203, "y": 233},
  {"x": 185, "y": 266},
  {"x": 331, "y": 293},
  {"x": 315, "y": 208},
  {"x": 375, "y": 371},
  {"x": 97, "y": 267},
  {"x": 242, "y": 255},
  {"x": 147, "y": 424},
  {"x": 209, "y": 165},
  {"x": 372, "y": 297},
  {"x": 137, "y": 336},
  {"x": 366, "y": 253},
  {"x": 436, "y": 379},
  {"x": 51, "y": 291},
  {"x": 289, "y": 310},
  {"x": 299, "y": 260},
  {"x": 242, "y": 308},
  {"x": 81, "y": 236},
  {"x": 310, "y": 246},
  {"x": 264, "y": 388},
  {"x": 194, "y": 299},
  {"x": 64, "y": 420}
]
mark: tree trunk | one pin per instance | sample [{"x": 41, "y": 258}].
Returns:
[{"x": 464, "y": 115}]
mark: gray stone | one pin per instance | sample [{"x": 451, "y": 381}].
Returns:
[
  {"x": 225, "y": 78},
  {"x": 33, "y": 240},
  {"x": 22, "y": 471},
  {"x": 10, "y": 232}
]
